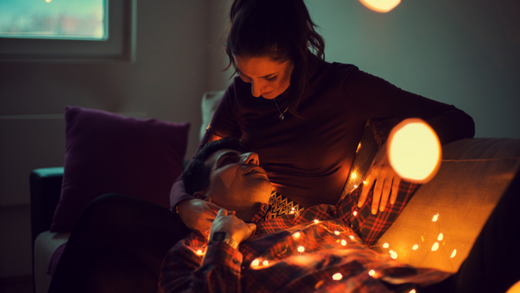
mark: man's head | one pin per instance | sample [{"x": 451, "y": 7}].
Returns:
[{"x": 223, "y": 174}]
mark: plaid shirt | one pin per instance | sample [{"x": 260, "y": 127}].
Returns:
[{"x": 317, "y": 249}]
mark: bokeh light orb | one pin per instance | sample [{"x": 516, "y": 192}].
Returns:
[
  {"x": 414, "y": 150},
  {"x": 382, "y": 6}
]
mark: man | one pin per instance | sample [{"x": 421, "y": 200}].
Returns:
[{"x": 314, "y": 250}]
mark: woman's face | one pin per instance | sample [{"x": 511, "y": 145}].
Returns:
[{"x": 268, "y": 78}]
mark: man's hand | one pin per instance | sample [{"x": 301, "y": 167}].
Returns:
[
  {"x": 237, "y": 229},
  {"x": 386, "y": 179},
  {"x": 198, "y": 214}
]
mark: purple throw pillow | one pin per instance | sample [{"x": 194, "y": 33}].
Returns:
[{"x": 110, "y": 153}]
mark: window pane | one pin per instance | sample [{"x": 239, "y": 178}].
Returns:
[{"x": 54, "y": 19}]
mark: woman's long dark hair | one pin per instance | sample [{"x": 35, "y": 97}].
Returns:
[{"x": 280, "y": 29}]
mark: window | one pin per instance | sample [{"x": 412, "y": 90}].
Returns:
[{"x": 67, "y": 30}]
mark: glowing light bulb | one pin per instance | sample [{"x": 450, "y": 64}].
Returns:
[
  {"x": 343, "y": 242},
  {"x": 365, "y": 181},
  {"x": 265, "y": 262},
  {"x": 316, "y": 221},
  {"x": 353, "y": 175},
  {"x": 435, "y": 246},
  {"x": 320, "y": 282},
  {"x": 355, "y": 186},
  {"x": 336, "y": 232},
  {"x": 381, "y": 6},
  {"x": 301, "y": 249},
  {"x": 255, "y": 262},
  {"x": 386, "y": 245},
  {"x": 337, "y": 276},
  {"x": 412, "y": 291},
  {"x": 296, "y": 235},
  {"x": 415, "y": 247},
  {"x": 354, "y": 213},
  {"x": 422, "y": 238},
  {"x": 372, "y": 273},
  {"x": 393, "y": 254},
  {"x": 414, "y": 150},
  {"x": 435, "y": 218},
  {"x": 454, "y": 253},
  {"x": 351, "y": 237},
  {"x": 200, "y": 252},
  {"x": 440, "y": 237}
]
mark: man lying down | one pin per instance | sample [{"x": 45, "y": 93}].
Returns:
[{"x": 312, "y": 250}]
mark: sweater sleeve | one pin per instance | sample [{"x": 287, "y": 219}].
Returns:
[
  {"x": 223, "y": 124},
  {"x": 373, "y": 97},
  {"x": 185, "y": 271}
]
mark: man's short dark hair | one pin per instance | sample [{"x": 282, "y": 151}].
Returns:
[{"x": 196, "y": 174}]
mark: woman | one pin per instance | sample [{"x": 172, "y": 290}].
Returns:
[
  {"x": 305, "y": 116},
  {"x": 302, "y": 115}
]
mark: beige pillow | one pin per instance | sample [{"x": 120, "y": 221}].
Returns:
[
  {"x": 208, "y": 105},
  {"x": 473, "y": 175}
]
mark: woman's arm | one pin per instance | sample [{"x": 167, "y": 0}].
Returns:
[
  {"x": 195, "y": 213},
  {"x": 373, "y": 97},
  {"x": 377, "y": 98}
]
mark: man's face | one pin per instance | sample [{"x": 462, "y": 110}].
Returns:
[{"x": 236, "y": 179}]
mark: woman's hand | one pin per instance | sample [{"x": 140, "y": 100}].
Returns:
[
  {"x": 386, "y": 179},
  {"x": 198, "y": 214},
  {"x": 237, "y": 229}
]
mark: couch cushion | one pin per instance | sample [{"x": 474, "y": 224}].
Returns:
[
  {"x": 473, "y": 175},
  {"x": 108, "y": 153},
  {"x": 44, "y": 247}
]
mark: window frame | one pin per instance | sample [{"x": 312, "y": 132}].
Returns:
[{"x": 119, "y": 47}]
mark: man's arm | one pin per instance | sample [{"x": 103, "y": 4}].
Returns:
[{"x": 187, "y": 270}]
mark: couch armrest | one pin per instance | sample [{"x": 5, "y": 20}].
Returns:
[{"x": 45, "y": 187}]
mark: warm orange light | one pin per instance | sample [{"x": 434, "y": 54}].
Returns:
[
  {"x": 454, "y": 253},
  {"x": 336, "y": 232},
  {"x": 200, "y": 252},
  {"x": 372, "y": 273},
  {"x": 515, "y": 288},
  {"x": 301, "y": 249},
  {"x": 435, "y": 218},
  {"x": 393, "y": 254},
  {"x": 343, "y": 242},
  {"x": 414, "y": 150},
  {"x": 386, "y": 245},
  {"x": 337, "y": 276},
  {"x": 296, "y": 235},
  {"x": 265, "y": 262},
  {"x": 440, "y": 237},
  {"x": 255, "y": 262},
  {"x": 382, "y": 6},
  {"x": 415, "y": 247},
  {"x": 435, "y": 246}
]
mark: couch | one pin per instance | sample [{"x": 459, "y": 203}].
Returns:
[{"x": 436, "y": 229}]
